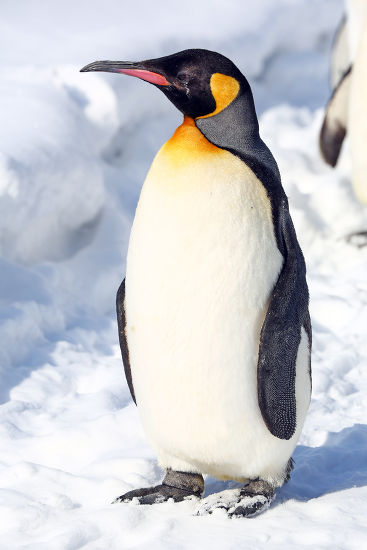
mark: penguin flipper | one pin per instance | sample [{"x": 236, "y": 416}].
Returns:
[
  {"x": 281, "y": 335},
  {"x": 121, "y": 322},
  {"x": 334, "y": 126}
]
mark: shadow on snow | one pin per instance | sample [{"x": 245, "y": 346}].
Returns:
[{"x": 339, "y": 464}]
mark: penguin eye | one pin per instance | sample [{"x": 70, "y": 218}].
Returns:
[{"x": 183, "y": 77}]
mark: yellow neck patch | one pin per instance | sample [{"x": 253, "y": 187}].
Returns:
[
  {"x": 224, "y": 89},
  {"x": 188, "y": 145}
]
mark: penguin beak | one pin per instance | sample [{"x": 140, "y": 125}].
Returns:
[{"x": 127, "y": 67}]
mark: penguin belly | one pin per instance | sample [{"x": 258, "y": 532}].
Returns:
[
  {"x": 357, "y": 123},
  {"x": 201, "y": 265}
]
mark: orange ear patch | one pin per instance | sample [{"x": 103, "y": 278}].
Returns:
[{"x": 224, "y": 89}]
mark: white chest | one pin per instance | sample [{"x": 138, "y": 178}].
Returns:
[
  {"x": 357, "y": 124},
  {"x": 202, "y": 248},
  {"x": 201, "y": 265}
]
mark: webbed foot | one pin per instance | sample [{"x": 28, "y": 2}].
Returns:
[
  {"x": 252, "y": 499},
  {"x": 358, "y": 239},
  {"x": 255, "y": 497},
  {"x": 176, "y": 485}
]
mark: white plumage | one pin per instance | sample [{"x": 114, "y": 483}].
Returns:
[
  {"x": 357, "y": 123},
  {"x": 201, "y": 266}
]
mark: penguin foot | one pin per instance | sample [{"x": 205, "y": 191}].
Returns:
[
  {"x": 253, "y": 498},
  {"x": 225, "y": 500},
  {"x": 358, "y": 239},
  {"x": 176, "y": 485}
]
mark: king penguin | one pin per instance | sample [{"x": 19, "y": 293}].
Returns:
[
  {"x": 346, "y": 112},
  {"x": 213, "y": 315}
]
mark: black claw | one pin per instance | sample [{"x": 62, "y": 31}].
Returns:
[
  {"x": 358, "y": 239},
  {"x": 176, "y": 485},
  {"x": 136, "y": 493},
  {"x": 261, "y": 493},
  {"x": 164, "y": 493},
  {"x": 248, "y": 511}
]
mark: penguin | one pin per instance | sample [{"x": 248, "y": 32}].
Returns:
[
  {"x": 346, "y": 111},
  {"x": 213, "y": 317}
]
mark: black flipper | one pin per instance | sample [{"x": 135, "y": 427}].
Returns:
[
  {"x": 280, "y": 337},
  {"x": 334, "y": 126},
  {"x": 121, "y": 322}
]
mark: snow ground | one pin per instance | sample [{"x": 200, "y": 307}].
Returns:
[{"x": 74, "y": 150}]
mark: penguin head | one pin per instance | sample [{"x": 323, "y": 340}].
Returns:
[{"x": 198, "y": 82}]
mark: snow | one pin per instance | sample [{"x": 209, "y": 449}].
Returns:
[{"x": 74, "y": 150}]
